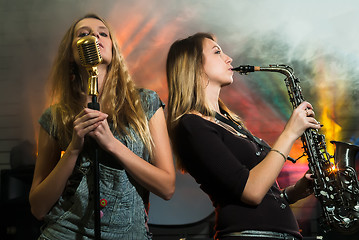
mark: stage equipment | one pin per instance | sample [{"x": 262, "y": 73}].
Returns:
[{"x": 88, "y": 49}]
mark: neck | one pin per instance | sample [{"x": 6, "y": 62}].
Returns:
[{"x": 212, "y": 95}]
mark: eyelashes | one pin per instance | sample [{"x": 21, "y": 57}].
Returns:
[{"x": 84, "y": 33}]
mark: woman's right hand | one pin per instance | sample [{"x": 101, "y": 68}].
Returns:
[
  {"x": 301, "y": 119},
  {"x": 86, "y": 121},
  {"x": 263, "y": 175},
  {"x": 53, "y": 171}
]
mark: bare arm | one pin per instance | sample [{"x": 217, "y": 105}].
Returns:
[
  {"x": 158, "y": 177},
  {"x": 52, "y": 171},
  {"x": 262, "y": 176},
  {"x": 50, "y": 176}
]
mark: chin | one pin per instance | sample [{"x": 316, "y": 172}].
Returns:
[
  {"x": 106, "y": 60},
  {"x": 227, "y": 83}
]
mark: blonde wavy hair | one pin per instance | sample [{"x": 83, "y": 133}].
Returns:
[
  {"x": 186, "y": 88},
  {"x": 119, "y": 98}
]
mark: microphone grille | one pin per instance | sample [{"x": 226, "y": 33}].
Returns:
[{"x": 89, "y": 51}]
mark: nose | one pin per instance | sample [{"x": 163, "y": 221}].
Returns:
[
  {"x": 96, "y": 34},
  {"x": 228, "y": 59}
]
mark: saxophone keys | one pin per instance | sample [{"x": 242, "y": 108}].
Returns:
[
  {"x": 324, "y": 193},
  {"x": 282, "y": 206}
]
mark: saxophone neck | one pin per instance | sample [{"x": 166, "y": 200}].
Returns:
[{"x": 283, "y": 69}]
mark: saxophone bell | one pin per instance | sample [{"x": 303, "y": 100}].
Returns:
[{"x": 345, "y": 154}]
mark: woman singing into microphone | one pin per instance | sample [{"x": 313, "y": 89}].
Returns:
[
  {"x": 135, "y": 156},
  {"x": 237, "y": 170}
]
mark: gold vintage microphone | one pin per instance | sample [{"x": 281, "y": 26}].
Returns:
[{"x": 90, "y": 58}]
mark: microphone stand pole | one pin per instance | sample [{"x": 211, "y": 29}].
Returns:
[
  {"x": 96, "y": 172},
  {"x": 90, "y": 57}
]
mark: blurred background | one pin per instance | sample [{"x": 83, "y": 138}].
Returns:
[{"x": 319, "y": 39}]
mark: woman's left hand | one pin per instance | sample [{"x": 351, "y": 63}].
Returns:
[
  {"x": 157, "y": 176},
  {"x": 103, "y": 135},
  {"x": 302, "y": 188}
]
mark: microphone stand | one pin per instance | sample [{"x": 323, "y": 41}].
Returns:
[
  {"x": 90, "y": 57},
  {"x": 96, "y": 171}
]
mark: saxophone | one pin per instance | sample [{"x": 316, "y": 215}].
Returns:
[{"x": 335, "y": 184}]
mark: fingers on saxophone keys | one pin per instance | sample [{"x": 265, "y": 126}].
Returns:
[
  {"x": 309, "y": 112},
  {"x": 315, "y": 122},
  {"x": 318, "y": 123},
  {"x": 321, "y": 125}
]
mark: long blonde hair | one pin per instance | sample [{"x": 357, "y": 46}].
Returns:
[
  {"x": 186, "y": 90},
  {"x": 119, "y": 98}
]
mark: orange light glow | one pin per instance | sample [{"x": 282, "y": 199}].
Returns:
[
  {"x": 331, "y": 130},
  {"x": 327, "y": 91},
  {"x": 334, "y": 168}
]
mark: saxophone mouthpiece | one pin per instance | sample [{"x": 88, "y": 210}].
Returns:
[{"x": 245, "y": 69}]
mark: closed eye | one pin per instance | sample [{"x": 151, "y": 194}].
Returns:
[
  {"x": 103, "y": 34},
  {"x": 83, "y": 34}
]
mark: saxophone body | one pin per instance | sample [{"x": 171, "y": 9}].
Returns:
[{"x": 336, "y": 184}]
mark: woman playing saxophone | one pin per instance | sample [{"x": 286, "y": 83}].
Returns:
[{"x": 237, "y": 170}]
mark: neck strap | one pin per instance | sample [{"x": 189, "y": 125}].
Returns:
[{"x": 239, "y": 128}]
